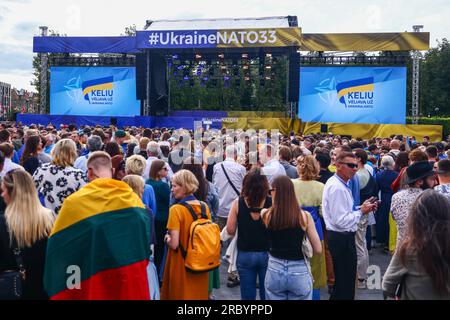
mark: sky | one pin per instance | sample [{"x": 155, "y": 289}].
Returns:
[{"x": 20, "y": 20}]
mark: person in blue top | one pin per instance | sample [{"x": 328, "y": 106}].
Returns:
[
  {"x": 120, "y": 137},
  {"x": 135, "y": 165}
]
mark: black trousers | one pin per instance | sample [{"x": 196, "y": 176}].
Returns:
[{"x": 343, "y": 251}]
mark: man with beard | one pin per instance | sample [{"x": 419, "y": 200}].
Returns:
[{"x": 420, "y": 177}]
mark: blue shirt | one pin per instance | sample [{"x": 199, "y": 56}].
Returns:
[
  {"x": 18, "y": 155},
  {"x": 149, "y": 198}
]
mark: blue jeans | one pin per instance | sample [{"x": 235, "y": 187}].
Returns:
[
  {"x": 250, "y": 265},
  {"x": 288, "y": 280}
]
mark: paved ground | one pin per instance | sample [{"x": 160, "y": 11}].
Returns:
[{"x": 377, "y": 258}]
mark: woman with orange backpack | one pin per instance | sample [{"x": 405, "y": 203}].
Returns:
[{"x": 188, "y": 261}]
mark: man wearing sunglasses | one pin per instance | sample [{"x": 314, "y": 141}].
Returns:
[{"x": 341, "y": 217}]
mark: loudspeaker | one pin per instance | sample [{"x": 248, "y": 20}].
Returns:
[
  {"x": 141, "y": 76},
  {"x": 324, "y": 128},
  {"x": 113, "y": 122}
]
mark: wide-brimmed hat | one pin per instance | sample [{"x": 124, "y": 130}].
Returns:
[{"x": 419, "y": 170}]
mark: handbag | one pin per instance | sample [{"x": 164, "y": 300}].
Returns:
[
  {"x": 11, "y": 281},
  {"x": 307, "y": 250}
]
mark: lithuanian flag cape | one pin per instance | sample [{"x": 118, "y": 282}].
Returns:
[{"x": 99, "y": 246}]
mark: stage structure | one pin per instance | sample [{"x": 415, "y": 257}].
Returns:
[{"x": 209, "y": 51}]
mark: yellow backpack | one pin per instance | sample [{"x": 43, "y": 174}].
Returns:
[{"x": 202, "y": 253}]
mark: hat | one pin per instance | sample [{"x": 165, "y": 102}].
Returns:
[
  {"x": 81, "y": 133},
  {"x": 419, "y": 170},
  {"x": 120, "y": 134},
  {"x": 444, "y": 167}
]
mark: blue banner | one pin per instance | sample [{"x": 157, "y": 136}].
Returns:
[
  {"x": 93, "y": 91},
  {"x": 372, "y": 95}
]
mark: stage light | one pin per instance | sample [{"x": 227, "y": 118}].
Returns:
[
  {"x": 180, "y": 67},
  {"x": 186, "y": 78},
  {"x": 268, "y": 78},
  {"x": 268, "y": 67},
  {"x": 268, "y": 55},
  {"x": 221, "y": 56},
  {"x": 246, "y": 67},
  {"x": 245, "y": 56},
  {"x": 247, "y": 78},
  {"x": 175, "y": 57},
  {"x": 198, "y": 56}
]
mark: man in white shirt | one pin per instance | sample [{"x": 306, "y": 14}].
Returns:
[
  {"x": 229, "y": 188},
  {"x": 272, "y": 166},
  {"x": 154, "y": 153},
  {"x": 341, "y": 219}
]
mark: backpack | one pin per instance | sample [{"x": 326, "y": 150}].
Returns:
[{"x": 202, "y": 253}]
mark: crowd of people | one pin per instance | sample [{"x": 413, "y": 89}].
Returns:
[{"x": 297, "y": 213}]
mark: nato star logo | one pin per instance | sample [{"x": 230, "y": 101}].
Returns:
[
  {"x": 73, "y": 89},
  {"x": 327, "y": 91}
]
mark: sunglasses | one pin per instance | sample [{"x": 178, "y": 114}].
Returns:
[{"x": 350, "y": 165}]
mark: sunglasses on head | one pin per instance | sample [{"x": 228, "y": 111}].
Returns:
[{"x": 350, "y": 165}]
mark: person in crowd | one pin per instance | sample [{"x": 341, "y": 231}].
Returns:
[
  {"x": 272, "y": 168},
  {"x": 8, "y": 152},
  {"x": 288, "y": 276},
  {"x": 118, "y": 166},
  {"x": 420, "y": 177},
  {"x": 58, "y": 180},
  {"x": 207, "y": 193},
  {"x": 341, "y": 218},
  {"x": 394, "y": 147},
  {"x": 420, "y": 268},
  {"x": 414, "y": 156},
  {"x": 179, "y": 284},
  {"x": 154, "y": 153},
  {"x": 130, "y": 150},
  {"x": 94, "y": 143},
  {"x": 252, "y": 236},
  {"x": 142, "y": 150},
  {"x": 285, "y": 155},
  {"x": 50, "y": 141},
  {"x": 158, "y": 173},
  {"x": 25, "y": 227},
  {"x": 385, "y": 178},
  {"x": 443, "y": 172},
  {"x": 18, "y": 155},
  {"x": 29, "y": 160},
  {"x": 228, "y": 177},
  {"x": 113, "y": 149},
  {"x": 309, "y": 196},
  {"x": 135, "y": 165},
  {"x": 180, "y": 153},
  {"x": 324, "y": 161},
  {"x": 120, "y": 137},
  {"x": 432, "y": 153},
  {"x": 368, "y": 189},
  {"x": 402, "y": 161},
  {"x": 105, "y": 217}
]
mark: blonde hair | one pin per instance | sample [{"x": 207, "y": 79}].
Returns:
[
  {"x": 64, "y": 153},
  {"x": 308, "y": 168},
  {"x": 144, "y": 143},
  {"x": 135, "y": 165},
  {"x": 186, "y": 180},
  {"x": 28, "y": 221},
  {"x": 136, "y": 183}
]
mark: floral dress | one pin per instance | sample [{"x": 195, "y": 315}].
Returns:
[
  {"x": 401, "y": 204},
  {"x": 55, "y": 184}
]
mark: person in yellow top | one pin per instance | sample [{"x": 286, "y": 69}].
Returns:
[
  {"x": 309, "y": 195},
  {"x": 179, "y": 284}
]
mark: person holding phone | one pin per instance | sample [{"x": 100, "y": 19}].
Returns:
[{"x": 341, "y": 219}]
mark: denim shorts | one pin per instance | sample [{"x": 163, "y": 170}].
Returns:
[{"x": 288, "y": 280}]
